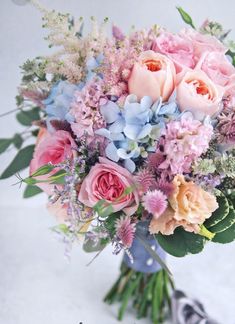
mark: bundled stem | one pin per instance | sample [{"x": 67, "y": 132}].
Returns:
[{"x": 150, "y": 293}]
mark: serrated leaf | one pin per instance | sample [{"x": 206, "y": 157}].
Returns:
[
  {"x": 226, "y": 236},
  {"x": 227, "y": 222},
  {"x": 27, "y": 117},
  {"x": 31, "y": 191},
  {"x": 220, "y": 213},
  {"x": 17, "y": 141},
  {"x": 20, "y": 162},
  {"x": 4, "y": 144},
  {"x": 186, "y": 17},
  {"x": 181, "y": 243}
]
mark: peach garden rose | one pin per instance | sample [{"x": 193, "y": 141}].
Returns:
[
  {"x": 153, "y": 75},
  {"x": 190, "y": 206},
  {"x": 197, "y": 93}
]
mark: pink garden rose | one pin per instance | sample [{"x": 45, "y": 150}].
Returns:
[
  {"x": 217, "y": 66},
  {"x": 153, "y": 75},
  {"x": 198, "y": 94},
  {"x": 202, "y": 43},
  {"x": 107, "y": 180},
  {"x": 177, "y": 48},
  {"x": 51, "y": 148}
]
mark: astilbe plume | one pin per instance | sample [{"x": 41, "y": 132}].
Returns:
[
  {"x": 155, "y": 202},
  {"x": 125, "y": 231}
]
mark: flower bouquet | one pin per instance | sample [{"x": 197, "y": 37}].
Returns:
[{"x": 134, "y": 145}]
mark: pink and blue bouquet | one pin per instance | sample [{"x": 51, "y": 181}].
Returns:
[{"x": 134, "y": 145}]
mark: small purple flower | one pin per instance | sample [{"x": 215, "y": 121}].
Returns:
[{"x": 125, "y": 231}]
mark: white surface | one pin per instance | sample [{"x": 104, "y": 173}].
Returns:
[{"x": 37, "y": 285}]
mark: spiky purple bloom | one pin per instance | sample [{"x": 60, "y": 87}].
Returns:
[
  {"x": 125, "y": 230},
  {"x": 144, "y": 180},
  {"x": 155, "y": 202},
  {"x": 226, "y": 128}
]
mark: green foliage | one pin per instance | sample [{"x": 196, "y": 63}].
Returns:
[
  {"x": 220, "y": 213},
  {"x": 31, "y": 191},
  {"x": 110, "y": 222},
  {"x": 227, "y": 222},
  {"x": 17, "y": 141},
  {"x": 103, "y": 208},
  {"x": 4, "y": 144},
  {"x": 186, "y": 17},
  {"x": 90, "y": 245},
  {"x": 20, "y": 162},
  {"x": 45, "y": 169},
  {"x": 26, "y": 117},
  {"x": 181, "y": 242},
  {"x": 226, "y": 236}
]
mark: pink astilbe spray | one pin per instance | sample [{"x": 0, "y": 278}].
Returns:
[
  {"x": 144, "y": 180},
  {"x": 155, "y": 202},
  {"x": 125, "y": 231}
]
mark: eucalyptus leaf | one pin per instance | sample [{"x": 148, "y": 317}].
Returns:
[
  {"x": 17, "y": 141},
  {"x": 181, "y": 242},
  {"x": 90, "y": 245},
  {"x": 186, "y": 17},
  {"x": 27, "y": 117},
  {"x": 31, "y": 191},
  {"x": 4, "y": 144},
  {"x": 20, "y": 162}
]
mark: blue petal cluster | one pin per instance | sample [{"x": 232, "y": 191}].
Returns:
[{"x": 134, "y": 129}]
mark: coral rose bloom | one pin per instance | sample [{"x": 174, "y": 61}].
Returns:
[
  {"x": 198, "y": 94},
  {"x": 107, "y": 180},
  {"x": 190, "y": 206},
  {"x": 153, "y": 75}
]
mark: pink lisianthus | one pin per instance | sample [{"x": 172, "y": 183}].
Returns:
[
  {"x": 107, "y": 180},
  {"x": 202, "y": 43},
  {"x": 51, "y": 148},
  {"x": 153, "y": 75},
  {"x": 218, "y": 68},
  {"x": 197, "y": 93},
  {"x": 183, "y": 142},
  {"x": 179, "y": 49}
]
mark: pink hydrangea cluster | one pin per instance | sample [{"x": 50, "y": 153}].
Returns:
[
  {"x": 85, "y": 109},
  {"x": 183, "y": 142}
]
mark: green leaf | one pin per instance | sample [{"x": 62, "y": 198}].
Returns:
[
  {"x": 228, "y": 221},
  {"x": 17, "y": 141},
  {"x": 20, "y": 162},
  {"x": 31, "y": 191},
  {"x": 186, "y": 17},
  {"x": 226, "y": 236},
  {"x": 4, "y": 144},
  {"x": 27, "y": 117},
  {"x": 90, "y": 245},
  {"x": 110, "y": 222},
  {"x": 181, "y": 243},
  {"x": 45, "y": 169},
  {"x": 220, "y": 213}
]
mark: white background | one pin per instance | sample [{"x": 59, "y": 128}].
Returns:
[{"x": 37, "y": 284}]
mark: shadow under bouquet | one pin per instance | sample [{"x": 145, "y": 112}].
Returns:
[{"x": 134, "y": 145}]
